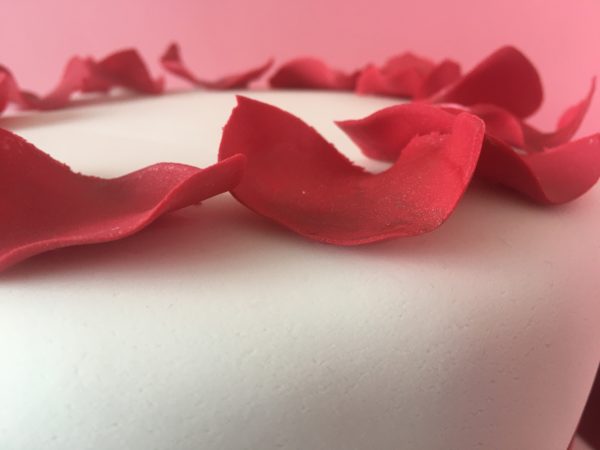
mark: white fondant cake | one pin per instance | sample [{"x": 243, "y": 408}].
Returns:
[{"x": 216, "y": 329}]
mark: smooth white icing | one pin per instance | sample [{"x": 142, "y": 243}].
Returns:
[{"x": 215, "y": 329}]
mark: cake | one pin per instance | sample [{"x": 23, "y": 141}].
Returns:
[{"x": 215, "y": 328}]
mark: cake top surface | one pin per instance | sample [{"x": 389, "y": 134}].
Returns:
[{"x": 214, "y": 315}]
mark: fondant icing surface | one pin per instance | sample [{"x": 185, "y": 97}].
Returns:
[{"x": 217, "y": 329}]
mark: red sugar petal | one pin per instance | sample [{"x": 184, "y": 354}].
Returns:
[
  {"x": 312, "y": 73},
  {"x": 296, "y": 178},
  {"x": 45, "y": 206},
  {"x": 506, "y": 79},
  {"x": 127, "y": 69},
  {"x": 173, "y": 63},
  {"x": 385, "y": 133},
  {"x": 442, "y": 75},
  {"x": 124, "y": 68},
  {"x": 557, "y": 175},
  {"x": 505, "y": 126},
  {"x": 75, "y": 74},
  {"x": 568, "y": 125},
  {"x": 407, "y": 75},
  {"x": 554, "y": 176}
]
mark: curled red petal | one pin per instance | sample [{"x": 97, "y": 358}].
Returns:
[
  {"x": 557, "y": 175},
  {"x": 501, "y": 124},
  {"x": 384, "y": 134},
  {"x": 442, "y": 75},
  {"x": 312, "y": 73},
  {"x": 127, "y": 69},
  {"x": 172, "y": 62},
  {"x": 296, "y": 178},
  {"x": 45, "y": 206},
  {"x": 568, "y": 125},
  {"x": 505, "y": 126},
  {"x": 407, "y": 75},
  {"x": 506, "y": 79},
  {"x": 124, "y": 68},
  {"x": 554, "y": 176},
  {"x": 75, "y": 74}
]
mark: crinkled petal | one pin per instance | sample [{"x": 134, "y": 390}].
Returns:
[
  {"x": 312, "y": 73},
  {"x": 567, "y": 126},
  {"x": 296, "y": 178},
  {"x": 127, "y": 69},
  {"x": 555, "y": 176},
  {"x": 45, "y": 206},
  {"x": 173, "y": 63},
  {"x": 407, "y": 75}
]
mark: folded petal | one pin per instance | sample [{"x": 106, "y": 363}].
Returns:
[
  {"x": 507, "y": 127},
  {"x": 45, "y": 206},
  {"x": 506, "y": 79},
  {"x": 554, "y": 176},
  {"x": 127, "y": 69},
  {"x": 296, "y": 178},
  {"x": 384, "y": 134},
  {"x": 407, "y": 75},
  {"x": 312, "y": 73},
  {"x": 567, "y": 126},
  {"x": 172, "y": 62}
]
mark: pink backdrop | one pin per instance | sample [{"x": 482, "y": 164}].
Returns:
[{"x": 561, "y": 37}]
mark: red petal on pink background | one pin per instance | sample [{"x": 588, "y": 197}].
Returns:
[
  {"x": 6, "y": 89},
  {"x": 508, "y": 128},
  {"x": 124, "y": 68},
  {"x": 442, "y": 75},
  {"x": 385, "y": 133},
  {"x": 173, "y": 63},
  {"x": 75, "y": 74},
  {"x": 568, "y": 125},
  {"x": 554, "y": 176},
  {"x": 45, "y": 206},
  {"x": 407, "y": 75},
  {"x": 312, "y": 73},
  {"x": 296, "y": 178},
  {"x": 557, "y": 175},
  {"x": 506, "y": 79},
  {"x": 127, "y": 69}
]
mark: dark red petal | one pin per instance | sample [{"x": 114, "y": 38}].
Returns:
[
  {"x": 312, "y": 73},
  {"x": 44, "y": 205},
  {"x": 505, "y": 126},
  {"x": 501, "y": 124},
  {"x": 568, "y": 125},
  {"x": 506, "y": 79},
  {"x": 299, "y": 180},
  {"x": 5, "y": 90},
  {"x": 173, "y": 63},
  {"x": 126, "y": 68},
  {"x": 557, "y": 175}
]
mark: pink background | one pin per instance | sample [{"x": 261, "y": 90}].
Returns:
[{"x": 561, "y": 37}]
